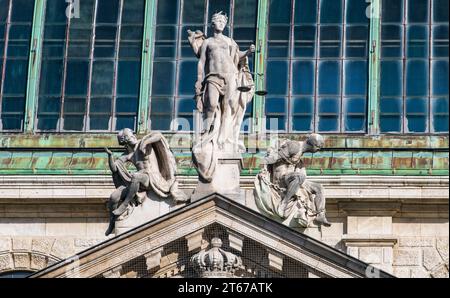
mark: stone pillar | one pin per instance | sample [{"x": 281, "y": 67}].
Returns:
[
  {"x": 113, "y": 273},
  {"x": 226, "y": 179},
  {"x": 370, "y": 239}
]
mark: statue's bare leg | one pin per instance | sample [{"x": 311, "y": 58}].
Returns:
[
  {"x": 228, "y": 110},
  {"x": 210, "y": 106},
  {"x": 319, "y": 202},
  {"x": 294, "y": 182},
  {"x": 137, "y": 180},
  {"x": 114, "y": 200}
]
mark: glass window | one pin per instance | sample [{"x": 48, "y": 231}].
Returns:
[
  {"x": 174, "y": 63},
  {"x": 16, "y": 18},
  {"x": 318, "y": 57},
  {"x": 90, "y": 70},
  {"x": 414, "y": 66}
]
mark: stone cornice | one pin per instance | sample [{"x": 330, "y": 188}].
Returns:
[{"x": 189, "y": 219}]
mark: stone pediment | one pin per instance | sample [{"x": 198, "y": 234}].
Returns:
[{"x": 213, "y": 236}]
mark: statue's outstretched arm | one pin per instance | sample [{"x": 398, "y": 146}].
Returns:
[{"x": 249, "y": 52}]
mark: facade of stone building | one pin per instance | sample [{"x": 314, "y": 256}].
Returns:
[{"x": 371, "y": 77}]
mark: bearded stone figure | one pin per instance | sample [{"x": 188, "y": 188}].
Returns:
[{"x": 282, "y": 189}]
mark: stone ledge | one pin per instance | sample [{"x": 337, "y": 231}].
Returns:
[{"x": 369, "y": 240}]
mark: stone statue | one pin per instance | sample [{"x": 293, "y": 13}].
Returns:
[
  {"x": 282, "y": 189},
  {"x": 156, "y": 170},
  {"x": 224, "y": 87}
]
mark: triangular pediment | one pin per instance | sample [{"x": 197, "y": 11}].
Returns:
[{"x": 167, "y": 246}]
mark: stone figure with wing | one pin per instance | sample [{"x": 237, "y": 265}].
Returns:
[{"x": 156, "y": 168}]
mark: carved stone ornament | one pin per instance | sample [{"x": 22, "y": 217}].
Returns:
[
  {"x": 282, "y": 189},
  {"x": 216, "y": 262}
]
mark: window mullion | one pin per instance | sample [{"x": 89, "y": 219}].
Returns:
[
  {"x": 146, "y": 65},
  {"x": 374, "y": 68},
  {"x": 260, "y": 56}
]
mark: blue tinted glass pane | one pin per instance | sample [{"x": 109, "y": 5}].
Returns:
[
  {"x": 355, "y": 73},
  {"x": 99, "y": 122},
  {"x": 356, "y": 11},
  {"x": 161, "y": 106},
  {"x": 305, "y": 12},
  {"x": 392, "y": 11},
  {"x": 330, "y": 11},
  {"x": 4, "y": 11},
  {"x": 440, "y": 11},
  {"x": 77, "y": 77},
  {"x": 125, "y": 122},
  {"x": 15, "y": 76},
  {"x": 133, "y": 11},
  {"x": 356, "y": 41},
  {"x": 391, "y": 115},
  {"x": 276, "y": 82},
  {"x": 47, "y": 122},
  {"x": 330, "y": 41},
  {"x": 418, "y": 11},
  {"x": 187, "y": 77},
  {"x": 22, "y": 10},
  {"x": 193, "y": 12},
  {"x": 280, "y": 11},
  {"x": 126, "y": 105},
  {"x": 305, "y": 41},
  {"x": 355, "y": 105},
  {"x": 278, "y": 41},
  {"x": 302, "y": 114},
  {"x": 354, "y": 123},
  {"x": 276, "y": 106},
  {"x": 417, "y": 41},
  {"x": 102, "y": 78},
  {"x": 303, "y": 77},
  {"x": 128, "y": 78},
  {"x": 49, "y": 105},
  {"x": 245, "y": 12},
  {"x": 167, "y": 12},
  {"x": 329, "y": 77},
  {"x": 328, "y": 106},
  {"x": 391, "y": 78},
  {"x": 391, "y": 106},
  {"x": 161, "y": 122},
  {"x": 416, "y": 114},
  {"x": 13, "y": 105},
  {"x": 440, "y": 77},
  {"x": 417, "y": 77},
  {"x": 73, "y": 123},
  {"x": 100, "y": 105},
  {"x": 50, "y": 82},
  {"x": 328, "y": 123},
  {"x": 392, "y": 37},
  {"x": 440, "y": 117},
  {"x": 12, "y": 122},
  {"x": 107, "y": 11},
  {"x": 55, "y": 11},
  {"x": 440, "y": 41},
  {"x": 163, "y": 72},
  {"x": 75, "y": 105}
]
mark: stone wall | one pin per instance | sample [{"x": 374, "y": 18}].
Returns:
[{"x": 398, "y": 225}]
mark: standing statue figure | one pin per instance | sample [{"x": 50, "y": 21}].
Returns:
[
  {"x": 224, "y": 87},
  {"x": 156, "y": 168},
  {"x": 282, "y": 189}
]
